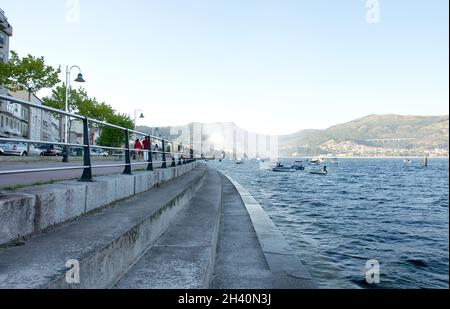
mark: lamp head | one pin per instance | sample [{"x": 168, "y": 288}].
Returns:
[{"x": 80, "y": 78}]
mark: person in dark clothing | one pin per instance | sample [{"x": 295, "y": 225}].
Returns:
[{"x": 145, "y": 146}]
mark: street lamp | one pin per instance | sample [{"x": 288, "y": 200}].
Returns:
[
  {"x": 136, "y": 111},
  {"x": 79, "y": 79}
]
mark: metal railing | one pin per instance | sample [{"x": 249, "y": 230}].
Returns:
[{"x": 182, "y": 155}]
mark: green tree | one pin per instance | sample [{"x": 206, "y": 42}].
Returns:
[
  {"x": 5, "y": 73},
  {"x": 79, "y": 103},
  {"x": 95, "y": 110},
  {"x": 28, "y": 73},
  {"x": 58, "y": 99},
  {"x": 111, "y": 137}
]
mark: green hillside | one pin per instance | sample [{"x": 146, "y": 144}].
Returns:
[{"x": 373, "y": 135}]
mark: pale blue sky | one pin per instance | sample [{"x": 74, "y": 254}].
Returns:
[{"x": 270, "y": 66}]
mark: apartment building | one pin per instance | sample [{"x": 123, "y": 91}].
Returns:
[{"x": 6, "y": 31}]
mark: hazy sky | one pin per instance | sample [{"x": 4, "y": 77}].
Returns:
[{"x": 270, "y": 66}]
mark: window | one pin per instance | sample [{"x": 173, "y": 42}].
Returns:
[
  {"x": 2, "y": 57},
  {"x": 2, "y": 123},
  {"x": 2, "y": 40}
]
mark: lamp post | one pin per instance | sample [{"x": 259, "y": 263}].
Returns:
[
  {"x": 136, "y": 111},
  {"x": 79, "y": 79}
]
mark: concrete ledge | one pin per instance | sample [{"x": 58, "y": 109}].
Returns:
[
  {"x": 183, "y": 258},
  {"x": 17, "y": 211},
  {"x": 106, "y": 243},
  {"x": 286, "y": 267},
  {"x": 56, "y": 204},
  {"x": 67, "y": 200}
]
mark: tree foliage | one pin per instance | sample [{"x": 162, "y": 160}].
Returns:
[
  {"x": 28, "y": 73},
  {"x": 80, "y": 103},
  {"x": 113, "y": 137},
  {"x": 58, "y": 99}
]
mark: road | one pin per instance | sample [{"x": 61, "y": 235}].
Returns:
[{"x": 9, "y": 181}]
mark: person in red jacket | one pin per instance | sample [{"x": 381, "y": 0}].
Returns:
[{"x": 138, "y": 148}]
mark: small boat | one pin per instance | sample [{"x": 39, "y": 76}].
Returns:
[
  {"x": 283, "y": 169},
  {"x": 407, "y": 161},
  {"x": 314, "y": 162},
  {"x": 318, "y": 173},
  {"x": 298, "y": 167}
]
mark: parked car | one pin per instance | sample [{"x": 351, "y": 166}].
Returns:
[
  {"x": 98, "y": 152},
  {"x": 50, "y": 150},
  {"x": 13, "y": 149},
  {"x": 76, "y": 151}
]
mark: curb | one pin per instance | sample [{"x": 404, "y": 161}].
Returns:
[{"x": 287, "y": 268}]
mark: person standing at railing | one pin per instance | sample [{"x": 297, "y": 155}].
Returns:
[
  {"x": 138, "y": 148},
  {"x": 145, "y": 145},
  {"x": 155, "y": 149}
]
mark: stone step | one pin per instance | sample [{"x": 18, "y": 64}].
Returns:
[
  {"x": 183, "y": 258},
  {"x": 105, "y": 243}
]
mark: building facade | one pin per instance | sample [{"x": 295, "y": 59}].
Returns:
[
  {"x": 6, "y": 31},
  {"x": 11, "y": 115},
  {"x": 44, "y": 125}
]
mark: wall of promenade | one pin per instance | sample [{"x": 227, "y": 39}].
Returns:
[{"x": 29, "y": 211}]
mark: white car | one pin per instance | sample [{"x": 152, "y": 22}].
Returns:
[
  {"x": 13, "y": 149},
  {"x": 98, "y": 152},
  {"x": 19, "y": 149}
]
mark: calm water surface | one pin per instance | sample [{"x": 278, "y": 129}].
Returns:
[{"x": 364, "y": 209}]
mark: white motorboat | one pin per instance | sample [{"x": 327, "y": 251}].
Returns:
[{"x": 283, "y": 169}]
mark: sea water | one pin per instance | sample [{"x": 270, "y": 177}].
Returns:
[{"x": 364, "y": 209}]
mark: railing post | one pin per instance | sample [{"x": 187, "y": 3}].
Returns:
[
  {"x": 164, "y": 164},
  {"x": 87, "y": 172},
  {"x": 127, "y": 170},
  {"x": 150, "y": 154},
  {"x": 180, "y": 153}
]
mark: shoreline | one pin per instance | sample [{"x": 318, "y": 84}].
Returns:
[{"x": 358, "y": 157}]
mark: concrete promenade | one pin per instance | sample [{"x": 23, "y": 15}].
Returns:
[{"x": 199, "y": 229}]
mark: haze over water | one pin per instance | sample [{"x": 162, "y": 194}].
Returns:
[{"x": 364, "y": 209}]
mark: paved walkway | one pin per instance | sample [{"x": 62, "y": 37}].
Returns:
[{"x": 240, "y": 261}]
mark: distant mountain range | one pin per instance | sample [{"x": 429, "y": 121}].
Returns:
[
  {"x": 374, "y": 135},
  {"x": 371, "y": 136}
]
